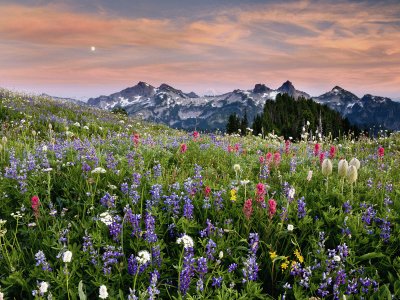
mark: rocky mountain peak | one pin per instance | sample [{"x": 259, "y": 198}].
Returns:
[{"x": 261, "y": 88}]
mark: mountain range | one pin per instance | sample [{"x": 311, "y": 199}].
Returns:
[{"x": 168, "y": 105}]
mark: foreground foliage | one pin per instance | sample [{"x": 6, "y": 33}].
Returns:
[{"x": 94, "y": 204}]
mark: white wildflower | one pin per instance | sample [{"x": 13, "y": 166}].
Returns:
[
  {"x": 221, "y": 254},
  {"x": 103, "y": 294},
  {"x": 336, "y": 258},
  {"x": 236, "y": 167},
  {"x": 67, "y": 256},
  {"x": 99, "y": 170},
  {"x": 291, "y": 193},
  {"x": 244, "y": 182},
  {"x": 352, "y": 174},
  {"x": 44, "y": 148},
  {"x": 143, "y": 257},
  {"x": 309, "y": 175},
  {"x": 342, "y": 167},
  {"x": 106, "y": 218},
  {"x": 290, "y": 227},
  {"x": 327, "y": 167},
  {"x": 355, "y": 162},
  {"x": 77, "y": 124},
  {"x": 43, "y": 287},
  {"x": 186, "y": 240}
]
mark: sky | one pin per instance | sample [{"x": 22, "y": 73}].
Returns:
[{"x": 206, "y": 46}]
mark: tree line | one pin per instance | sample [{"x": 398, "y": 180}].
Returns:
[{"x": 288, "y": 117}]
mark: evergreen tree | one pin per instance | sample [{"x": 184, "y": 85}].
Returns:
[
  {"x": 244, "y": 123},
  {"x": 233, "y": 124}
]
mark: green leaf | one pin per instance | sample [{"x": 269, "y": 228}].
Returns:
[
  {"x": 82, "y": 295},
  {"x": 397, "y": 287},
  {"x": 370, "y": 255}
]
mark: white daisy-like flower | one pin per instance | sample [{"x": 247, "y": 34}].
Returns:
[
  {"x": 143, "y": 257},
  {"x": 186, "y": 240},
  {"x": 290, "y": 227}
]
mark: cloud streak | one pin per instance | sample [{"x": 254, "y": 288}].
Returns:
[{"x": 315, "y": 44}]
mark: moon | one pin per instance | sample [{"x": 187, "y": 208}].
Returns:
[{"x": 93, "y": 48}]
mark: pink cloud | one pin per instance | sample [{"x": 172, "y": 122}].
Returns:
[{"x": 312, "y": 45}]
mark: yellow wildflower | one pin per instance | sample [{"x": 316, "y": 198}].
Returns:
[
  {"x": 233, "y": 195},
  {"x": 273, "y": 255},
  {"x": 299, "y": 256},
  {"x": 284, "y": 265}
]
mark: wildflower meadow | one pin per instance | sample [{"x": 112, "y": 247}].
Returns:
[{"x": 95, "y": 205}]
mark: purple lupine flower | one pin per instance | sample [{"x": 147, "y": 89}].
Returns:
[
  {"x": 202, "y": 268},
  {"x": 124, "y": 188},
  {"x": 210, "y": 229},
  {"x": 108, "y": 201},
  {"x": 63, "y": 235},
  {"x": 384, "y": 225},
  {"x": 157, "y": 170},
  {"x": 197, "y": 175},
  {"x": 352, "y": 286},
  {"x": 152, "y": 289},
  {"x": 188, "y": 208},
  {"x": 190, "y": 186},
  {"x": 135, "y": 267},
  {"x": 250, "y": 269},
  {"x": 187, "y": 270},
  {"x": 216, "y": 282},
  {"x": 253, "y": 241},
  {"x": 134, "y": 220},
  {"x": 88, "y": 247},
  {"x": 370, "y": 183},
  {"x": 110, "y": 258},
  {"x": 31, "y": 162},
  {"x": 264, "y": 173},
  {"x": 115, "y": 228},
  {"x": 387, "y": 201},
  {"x": 347, "y": 207},
  {"x": 368, "y": 215},
  {"x": 232, "y": 267},
  {"x": 343, "y": 251},
  {"x": 132, "y": 295},
  {"x": 171, "y": 230},
  {"x": 218, "y": 199},
  {"x": 173, "y": 204},
  {"x": 293, "y": 165},
  {"x": 155, "y": 192},
  {"x": 210, "y": 249},
  {"x": 136, "y": 179},
  {"x": 301, "y": 208},
  {"x": 149, "y": 221},
  {"x": 111, "y": 162},
  {"x": 206, "y": 203},
  {"x": 200, "y": 285},
  {"x": 41, "y": 261},
  {"x": 156, "y": 256},
  {"x": 86, "y": 168}
]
